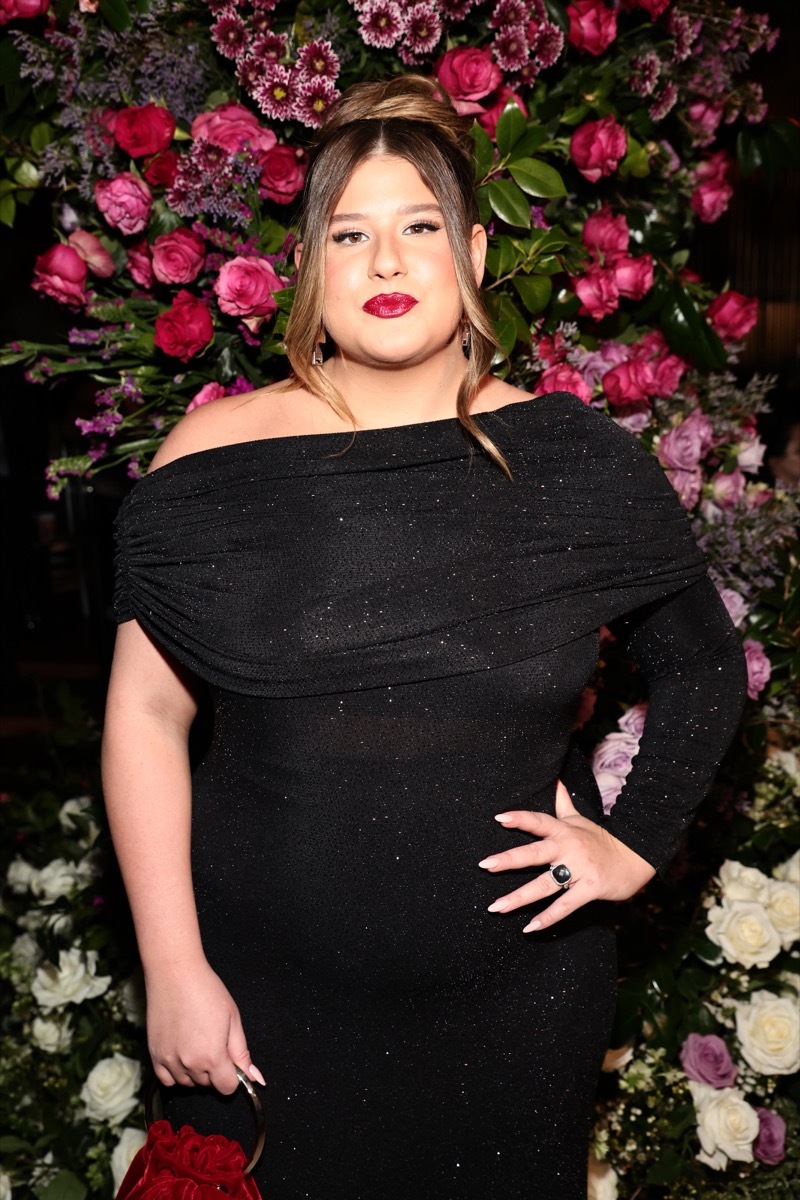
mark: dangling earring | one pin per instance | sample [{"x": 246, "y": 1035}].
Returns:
[
  {"x": 316, "y": 354},
  {"x": 466, "y": 339}
]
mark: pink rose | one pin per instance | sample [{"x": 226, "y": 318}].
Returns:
[
  {"x": 144, "y": 130},
  {"x": 759, "y": 668},
  {"x": 770, "y": 1145},
  {"x": 653, "y": 8},
  {"x": 711, "y": 200},
  {"x": 487, "y": 118},
  {"x": 282, "y": 174},
  {"x": 633, "y": 417},
  {"x": 245, "y": 287},
  {"x": 592, "y": 26},
  {"x": 683, "y": 447},
  {"x": 632, "y": 721},
  {"x": 124, "y": 201},
  {"x": 468, "y": 74},
  {"x": 606, "y": 236},
  {"x": 209, "y": 391},
  {"x": 61, "y": 274},
  {"x": 634, "y": 276},
  {"x": 688, "y": 485},
  {"x": 615, "y": 753},
  {"x": 140, "y": 264},
  {"x": 596, "y": 147},
  {"x": 735, "y": 605},
  {"x": 11, "y": 10},
  {"x": 750, "y": 454},
  {"x": 93, "y": 253},
  {"x": 668, "y": 370},
  {"x": 563, "y": 378},
  {"x": 727, "y": 488},
  {"x": 231, "y": 126},
  {"x": 706, "y": 1059},
  {"x": 178, "y": 257},
  {"x": 184, "y": 329},
  {"x": 704, "y": 118},
  {"x": 732, "y": 315},
  {"x": 598, "y": 292},
  {"x": 629, "y": 383}
]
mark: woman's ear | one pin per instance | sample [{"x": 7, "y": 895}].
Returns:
[
  {"x": 477, "y": 249},
  {"x": 298, "y": 254}
]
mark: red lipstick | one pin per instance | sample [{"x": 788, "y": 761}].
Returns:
[{"x": 386, "y": 305}]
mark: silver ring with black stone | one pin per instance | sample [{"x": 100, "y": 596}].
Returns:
[{"x": 561, "y": 875}]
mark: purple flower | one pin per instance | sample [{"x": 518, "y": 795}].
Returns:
[
  {"x": 380, "y": 23},
  {"x": 316, "y": 95},
  {"x": 422, "y": 29},
  {"x": 770, "y": 1145},
  {"x": 511, "y": 48},
  {"x": 615, "y": 753},
  {"x": 456, "y": 10},
  {"x": 229, "y": 34},
  {"x": 270, "y": 47},
  {"x": 705, "y": 1059},
  {"x": 759, "y": 668},
  {"x": 509, "y": 12},
  {"x": 548, "y": 44},
  {"x": 683, "y": 447},
  {"x": 318, "y": 59},
  {"x": 277, "y": 91}
]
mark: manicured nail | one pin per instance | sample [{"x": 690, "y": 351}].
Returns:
[
  {"x": 499, "y": 906},
  {"x": 488, "y": 862},
  {"x": 503, "y": 817},
  {"x": 529, "y": 928},
  {"x": 254, "y": 1073}
]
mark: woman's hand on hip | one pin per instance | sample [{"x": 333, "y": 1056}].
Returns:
[
  {"x": 194, "y": 1031},
  {"x": 601, "y": 867}
]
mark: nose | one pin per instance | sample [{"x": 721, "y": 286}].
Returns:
[{"x": 387, "y": 257}]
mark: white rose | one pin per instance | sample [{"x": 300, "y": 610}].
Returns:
[
  {"x": 768, "y": 1029},
  {"x": 787, "y": 760},
  {"x": 71, "y": 982},
  {"x": 742, "y": 883},
  {"x": 5, "y": 1186},
  {"x": 54, "y": 1037},
  {"x": 134, "y": 1004},
  {"x": 783, "y": 910},
  {"x": 60, "y": 878},
  {"x": 602, "y": 1181},
  {"x": 79, "y": 806},
  {"x": 744, "y": 933},
  {"x": 617, "y": 1057},
  {"x": 33, "y": 920},
  {"x": 789, "y": 871},
  {"x": 111, "y": 1090},
  {"x": 19, "y": 875},
  {"x": 726, "y": 1124},
  {"x": 130, "y": 1142},
  {"x": 25, "y": 951}
]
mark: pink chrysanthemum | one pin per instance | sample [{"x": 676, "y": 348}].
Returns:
[
  {"x": 456, "y": 10},
  {"x": 277, "y": 92},
  {"x": 270, "y": 47},
  {"x": 664, "y": 102},
  {"x": 249, "y": 70},
  {"x": 422, "y": 29},
  {"x": 314, "y": 100},
  {"x": 380, "y": 23},
  {"x": 645, "y": 73},
  {"x": 548, "y": 44},
  {"x": 229, "y": 34},
  {"x": 318, "y": 60},
  {"x": 510, "y": 48},
  {"x": 509, "y": 12}
]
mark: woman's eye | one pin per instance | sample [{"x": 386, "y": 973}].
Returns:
[
  {"x": 424, "y": 227},
  {"x": 349, "y": 237}
]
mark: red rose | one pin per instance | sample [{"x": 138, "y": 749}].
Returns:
[
  {"x": 231, "y": 126},
  {"x": 145, "y": 130},
  {"x": 93, "y": 253},
  {"x": 140, "y": 264},
  {"x": 244, "y": 287},
  {"x": 61, "y": 274},
  {"x": 563, "y": 378},
  {"x": 732, "y": 315},
  {"x": 487, "y": 118},
  {"x": 653, "y": 8},
  {"x": 606, "y": 236},
  {"x": 282, "y": 174},
  {"x": 187, "y": 1166},
  {"x": 468, "y": 74},
  {"x": 710, "y": 200},
  {"x": 184, "y": 329},
  {"x": 634, "y": 276},
  {"x": 592, "y": 26},
  {"x": 124, "y": 201},
  {"x": 160, "y": 169},
  {"x": 597, "y": 146},
  {"x": 178, "y": 256},
  {"x": 10, "y": 10},
  {"x": 598, "y": 292},
  {"x": 628, "y": 383}
]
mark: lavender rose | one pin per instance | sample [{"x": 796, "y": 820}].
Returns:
[
  {"x": 770, "y": 1145},
  {"x": 615, "y": 753},
  {"x": 684, "y": 446},
  {"x": 705, "y": 1059},
  {"x": 759, "y": 668}
]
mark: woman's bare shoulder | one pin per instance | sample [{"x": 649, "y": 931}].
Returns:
[{"x": 245, "y": 417}]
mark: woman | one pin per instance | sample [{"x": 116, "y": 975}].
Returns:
[{"x": 396, "y": 624}]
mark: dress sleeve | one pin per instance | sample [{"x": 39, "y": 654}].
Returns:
[{"x": 691, "y": 658}]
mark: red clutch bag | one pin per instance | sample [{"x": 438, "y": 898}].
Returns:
[{"x": 193, "y": 1166}]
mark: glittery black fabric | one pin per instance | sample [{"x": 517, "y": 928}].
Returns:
[{"x": 396, "y": 637}]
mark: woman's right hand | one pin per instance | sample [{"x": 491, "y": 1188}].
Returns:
[{"x": 194, "y": 1031}]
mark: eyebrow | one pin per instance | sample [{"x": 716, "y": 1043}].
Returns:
[{"x": 404, "y": 210}]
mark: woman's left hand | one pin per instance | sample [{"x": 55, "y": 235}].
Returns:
[{"x": 602, "y": 868}]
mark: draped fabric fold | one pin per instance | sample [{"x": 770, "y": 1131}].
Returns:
[{"x": 404, "y": 556}]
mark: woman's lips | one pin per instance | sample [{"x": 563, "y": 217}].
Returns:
[{"x": 386, "y": 305}]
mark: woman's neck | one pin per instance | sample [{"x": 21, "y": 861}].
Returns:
[{"x": 396, "y": 395}]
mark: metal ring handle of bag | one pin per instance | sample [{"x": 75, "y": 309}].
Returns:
[{"x": 154, "y": 1111}]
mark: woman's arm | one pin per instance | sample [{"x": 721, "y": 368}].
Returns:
[{"x": 194, "y": 1031}]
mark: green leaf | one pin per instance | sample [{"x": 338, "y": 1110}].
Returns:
[
  {"x": 8, "y": 210},
  {"x": 529, "y": 143},
  {"x": 117, "y": 14},
  {"x": 510, "y": 128},
  {"x": 284, "y": 299},
  {"x": 688, "y": 332},
  {"x": 9, "y": 62},
  {"x": 10, "y": 1144},
  {"x": 748, "y": 151},
  {"x": 505, "y": 329},
  {"x": 484, "y": 207},
  {"x": 636, "y": 161},
  {"x": 509, "y": 311},
  {"x": 574, "y": 115},
  {"x": 26, "y": 174},
  {"x": 537, "y": 178},
  {"x": 502, "y": 257},
  {"x": 509, "y": 203},
  {"x": 534, "y": 291},
  {"x": 41, "y": 136},
  {"x": 484, "y": 150},
  {"x": 64, "y": 1186},
  {"x": 669, "y": 1169}
]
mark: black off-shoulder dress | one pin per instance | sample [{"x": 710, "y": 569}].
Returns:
[{"x": 396, "y": 637}]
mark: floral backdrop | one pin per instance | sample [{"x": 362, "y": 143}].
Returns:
[{"x": 171, "y": 137}]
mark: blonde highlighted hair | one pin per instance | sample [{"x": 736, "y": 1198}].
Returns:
[{"x": 407, "y": 117}]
